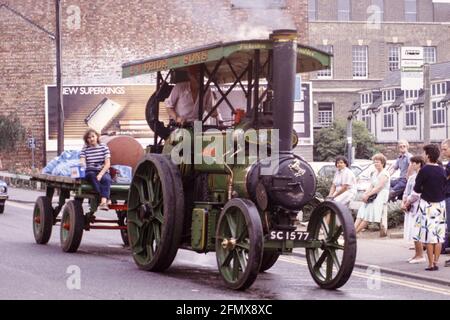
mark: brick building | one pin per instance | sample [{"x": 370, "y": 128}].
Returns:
[
  {"x": 98, "y": 36},
  {"x": 365, "y": 37}
]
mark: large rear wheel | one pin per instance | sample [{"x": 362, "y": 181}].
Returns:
[
  {"x": 239, "y": 243},
  {"x": 332, "y": 264},
  {"x": 155, "y": 212}
]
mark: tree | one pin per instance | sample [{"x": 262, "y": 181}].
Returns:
[
  {"x": 11, "y": 132},
  {"x": 331, "y": 141}
]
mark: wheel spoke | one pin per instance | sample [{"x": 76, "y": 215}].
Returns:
[
  {"x": 231, "y": 225},
  {"x": 332, "y": 223},
  {"x": 136, "y": 222},
  {"x": 235, "y": 264},
  {"x": 329, "y": 267},
  {"x": 337, "y": 234},
  {"x": 319, "y": 262},
  {"x": 159, "y": 217},
  {"x": 324, "y": 227},
  {"x": 242, "y": 260},
  {"x": 335, "y": 258},
  {"x": 240, "y": 226},
  {"x": 157, "y": 233},
  {"x": 140, "y": 189},
  {"x": 227, "y": 260},
  {"x": 243, "y": 245}
]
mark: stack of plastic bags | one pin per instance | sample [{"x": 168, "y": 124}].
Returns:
[{"x": 60, "y": 166}]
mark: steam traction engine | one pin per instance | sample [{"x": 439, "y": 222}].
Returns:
[{"x": 236, "y": 209}]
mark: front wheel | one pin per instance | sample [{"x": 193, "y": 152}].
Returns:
[
  {"x": 239, "y": 243},
  {"x": 332, "y": 263}
]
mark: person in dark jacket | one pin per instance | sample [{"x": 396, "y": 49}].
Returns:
[{"x": 430, "y": 224}]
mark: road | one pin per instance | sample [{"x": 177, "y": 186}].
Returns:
[{"x": 107, "y": 271}]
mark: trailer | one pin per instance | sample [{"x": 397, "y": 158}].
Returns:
[{"x": 69, "y": 213}]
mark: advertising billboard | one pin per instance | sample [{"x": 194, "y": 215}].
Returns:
[{"x": 109, "y": 109}]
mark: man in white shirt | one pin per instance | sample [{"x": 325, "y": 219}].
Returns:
[{"x": 183, "y": 102}]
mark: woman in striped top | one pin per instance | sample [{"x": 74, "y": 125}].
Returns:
[{"x": 95, "y": 156}]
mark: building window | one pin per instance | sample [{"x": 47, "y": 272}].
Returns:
[
  {"x": 394, "y": 58},
  {"x": 312, "y": 10},
  {"x": 344, "y": 10},
  {"x": 410, "y": 116},
  {"x": 366, "y": 98},
  {"x": 439, "y": 89},
  {"x": 325, "y": 114},
  {"x": 388, "y": 118},
  {"x": 438, "y": 112},
  {"x": 365, "y": 116},
  {"x": 360, "y": 62},
  {"x": 429, "y": 55},
  {"x": 327, "y": 73},
  {"x": 411, "y": 94},
  {"x": 410, "y": 10},
  {"x": 388, "y": 95}
]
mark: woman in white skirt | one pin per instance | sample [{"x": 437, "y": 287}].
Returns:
[
  {"x": 410, "y": 204},
  {"x": 343, "y": 188},
  {"x": 430, "y": 224},
  {"x": 372, "y": 210}
]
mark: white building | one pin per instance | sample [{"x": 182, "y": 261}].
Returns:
[{"x": 391, "y": 114}]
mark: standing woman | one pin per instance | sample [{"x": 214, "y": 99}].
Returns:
[
  {"x": 343, "y": 188},
  {"x": 410, "y": 204},
  {"x": 371, "y": 210},
  {"x": 430, "y": 224},
  {"x": 95, "y": 156}
]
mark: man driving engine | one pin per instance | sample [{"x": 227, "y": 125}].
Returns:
[{"x": 183, "y": 103}]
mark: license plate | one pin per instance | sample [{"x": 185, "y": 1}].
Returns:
[{"x": 288, "y": 235}]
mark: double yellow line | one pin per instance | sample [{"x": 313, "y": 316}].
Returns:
[{"x": 391, "y": 280}]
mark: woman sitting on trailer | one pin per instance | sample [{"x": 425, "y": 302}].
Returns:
[{"x": 95, "y": 156}]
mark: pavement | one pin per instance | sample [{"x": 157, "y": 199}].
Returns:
[{"x": 388, "y": 254}]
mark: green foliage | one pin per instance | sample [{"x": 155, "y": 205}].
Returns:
[
  {"x": 396, "y": 215},
  {"x": 11, "y": 132},
  {"x": 331, "y": 141},
  {"x": 324, "y": 185}
]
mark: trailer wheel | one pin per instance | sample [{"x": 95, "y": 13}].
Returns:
[
  {"x": 332, "y": 263},
  {"x": 268, "y": 260},
  {"x": 122, "y": 217},
  {"x": 155, "y": 212},
  {"x": 239, "y": 243},
  {"x": 42, "y": 220},
  {"x": 72, "y": 226}
]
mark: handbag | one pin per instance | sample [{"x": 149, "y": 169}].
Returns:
[{"x": 372, "y": 198}]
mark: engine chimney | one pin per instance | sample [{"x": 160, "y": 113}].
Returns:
[{"x": 284, "y": 71}]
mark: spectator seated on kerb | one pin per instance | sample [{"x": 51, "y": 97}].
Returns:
[{"x": 402, "y": 163}]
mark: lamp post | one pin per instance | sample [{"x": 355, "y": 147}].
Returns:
[{"x": 59, "y": 103}]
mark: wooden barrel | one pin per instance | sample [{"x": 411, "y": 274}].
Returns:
[{"x": 125, "y": 150}]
